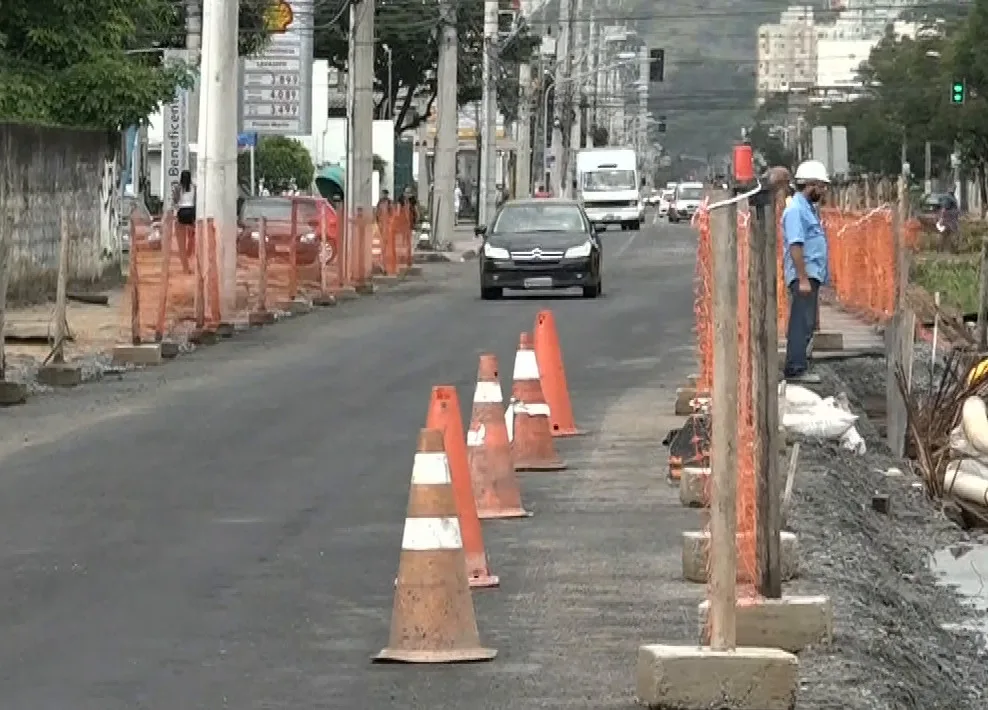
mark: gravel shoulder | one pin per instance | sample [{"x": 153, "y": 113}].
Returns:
[{"x": 891, "y": 649}]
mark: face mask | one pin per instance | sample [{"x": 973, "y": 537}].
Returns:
[{"x": 815, "y": 196}]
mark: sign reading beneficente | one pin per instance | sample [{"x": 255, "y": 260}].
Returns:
[{"x": 276, "y": 85}]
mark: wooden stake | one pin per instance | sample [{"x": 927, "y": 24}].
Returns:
[
  {"x": 262, "y": 253},
  {"x": 6, "y": 229},
  {"x": 61, "y": 289},
  {"x": 724, "y": 425},
  {"x": 763, "y": 313}
]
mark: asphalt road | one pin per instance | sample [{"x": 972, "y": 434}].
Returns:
[{"x": 223, "y": 532}]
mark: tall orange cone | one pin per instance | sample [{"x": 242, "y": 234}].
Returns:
[
  {"x": 433, "y": 618},
  {"x": 553, "y": 376},
  {"x": 444, "y": 415},
  {"x": 495, "y": 486},
  {"x": 531, "y": 444}
]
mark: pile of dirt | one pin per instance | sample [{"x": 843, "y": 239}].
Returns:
[{"x": 891, "y": 648}]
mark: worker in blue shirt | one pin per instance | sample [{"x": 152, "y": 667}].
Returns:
[{"x": 804, "y": 266}]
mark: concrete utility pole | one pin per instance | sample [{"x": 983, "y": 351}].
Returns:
[
  {"x": 446, "y": 126},
  {"x": 579, "y": 67},
  {"x": 488, "y": 115},
  {"x": 422, "y": 142},
  {"x": 216, "y": 173},
  {"x": 523, "y": 174},
  {"x": 360, "y": 113},
  {"x": 562, "y": 102},
  {"x": 595, "y": 76},
  {"x": 193, "y": 42}
]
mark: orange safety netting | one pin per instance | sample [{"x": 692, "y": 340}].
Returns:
[{"x": 173, "y": 276}]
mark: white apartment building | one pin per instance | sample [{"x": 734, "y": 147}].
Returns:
[
  {"x": 787, "y": 53},
  {"x": 841, "y": 49}
]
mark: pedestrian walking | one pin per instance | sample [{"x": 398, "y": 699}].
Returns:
[
  {"x": 184, "y": 199},
  {"x": 805, "y": 266}
]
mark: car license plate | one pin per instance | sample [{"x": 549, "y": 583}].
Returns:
[
  {"x": 609, "y": 217},
  {"x": 540, "y": 282},
  {"x": 282, "y": 248}
]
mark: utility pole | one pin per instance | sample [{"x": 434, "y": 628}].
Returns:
[
  {"x": 361, "y": 111},
  {"x": 446, "y": 125},
  {"x": 422, "y": 144},
  {"x": 216, "y": 170},
  {"x": 561, "y": 100},
  {"x": 928, "y": 168},
  {"x": 593, "y": 62},
  {"x": 193, "y": 42},
  {"x": 488, "y": 115},
  {"x": 523, "y": 163},
  {"x": 579, "y": 67}
]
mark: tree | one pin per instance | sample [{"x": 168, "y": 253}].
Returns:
[
  {"x": 409, "y": 28},
  {"x": 71, "y": 62},
  {"x": 968, "y": 62},
  {"x": 281, "y": 163}
]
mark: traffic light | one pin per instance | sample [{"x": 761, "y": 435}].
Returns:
[
  {"x": 957, "y": 92},
  {"x": 656, "y": 66}
]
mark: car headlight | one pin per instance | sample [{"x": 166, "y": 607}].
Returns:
[
  {"x": 309, "y": 238},
  {"x": 256, "y": 236},
  {"x": 495, "y": 252},
  {"x": 579, "y": 252}
]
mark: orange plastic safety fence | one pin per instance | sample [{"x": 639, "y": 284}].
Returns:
[
  {"x": 862, "y": 260},
  {"x": 703, "y": 303}
]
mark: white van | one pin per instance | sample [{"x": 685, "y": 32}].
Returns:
[
  {"x": 685, "y": 201},
  {"x": 609, "y": 186}
]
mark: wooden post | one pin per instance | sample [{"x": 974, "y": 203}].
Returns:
[
  {"x": 293, "y": 254},
  {"x": 983, "y": 298},
  {"x": 6, "y": 229},
  {"x": 135, "y": 287},
  {"x": 763, "y": 315},
  {"x": 724, "y": 421},
  {"x": 323, "y": 252},
  {"x": 199, "y": 305},
  {"x": 262, "y": 253},
  {"x": 168, "y": 232},
  {"x": 899, "y": 245},
  {"x": 61, "y": 288}
]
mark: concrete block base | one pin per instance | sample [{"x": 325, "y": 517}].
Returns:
[
  {"x": 696, "y": 547},
  {"x": 259, "y": 318},
  {"x": 385, "y": 280},
  {"x": 169, "y": 349},
  {"x": 324, "y": 300},
  {"x": 12, "y": 393},
  {"x": 690, "y": 678},
  {"x": 684, "y": 401},
  {"x": 225, "y": 330},
  {"x": 295, "y": 307},
  {"x": 347, "y": 293},
  {"x": 203, "y": 337},
  {"x": 790, "y": 624},
  {"x": 61, "y": 374},
  {"x": 147, "y": 354},
  {"x": 412, "y": 272},
  {"x": 693, "y": 483},
  {"x": 825, "y": 341},
  {"x": 366, "y": 288}
]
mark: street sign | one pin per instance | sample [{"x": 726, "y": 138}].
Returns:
[
  {"x": 276, "y": 85},
  {"x": 175, "y": 143},
  {"x": 830, "y": 148}
]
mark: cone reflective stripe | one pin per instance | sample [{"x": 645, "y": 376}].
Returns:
[
  {"x": 492, "y": 473},
  {"x": 444, "y": 415},
  {"x": 552, "y": 374},
  {"x": 531, "y": 442},
  {"x": 433, "y": 618}
]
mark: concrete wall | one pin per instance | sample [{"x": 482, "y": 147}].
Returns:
[{"x": 47, "y": 174}]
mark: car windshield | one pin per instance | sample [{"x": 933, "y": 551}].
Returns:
[
  {"x": 609, "y": 180},
  {"x": 690, "y": 193},
  {"x": 667, "y": 194},
  {"x": 277, "y": 209},
  {"x": 515, "y": 219}
]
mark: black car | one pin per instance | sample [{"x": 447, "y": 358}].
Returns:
[{"x": 539, "y": 244}]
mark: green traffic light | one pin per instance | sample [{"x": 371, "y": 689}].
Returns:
[{"x": 957, "y": 92}]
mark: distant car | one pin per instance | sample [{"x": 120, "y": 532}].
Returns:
[
  {"x": 135, "y": 216},
  {"x": 540, "y": 244},
  {"x": 665, "y": 201},
  {"x": 685, "y": 201},
  {"x": 278, "y": 212}
]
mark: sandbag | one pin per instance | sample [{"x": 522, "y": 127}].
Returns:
[{"x": 822, "y": 422}]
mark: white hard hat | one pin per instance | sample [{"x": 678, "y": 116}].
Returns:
[{"x": 812, "y": 171}]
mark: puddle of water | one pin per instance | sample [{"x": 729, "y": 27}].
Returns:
[{"x": 965, "y": 568}]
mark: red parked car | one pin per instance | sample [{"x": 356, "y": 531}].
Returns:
[{"x": 278, "y": 212}]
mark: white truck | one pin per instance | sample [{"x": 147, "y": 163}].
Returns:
[{"x": 609, "y": 186}]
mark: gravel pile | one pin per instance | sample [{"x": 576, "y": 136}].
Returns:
[{"x": 891, "y": 649}]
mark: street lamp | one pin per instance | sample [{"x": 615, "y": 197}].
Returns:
[
  {"x": 389, "y": 89},
  {"x": 626, "y": 57}
]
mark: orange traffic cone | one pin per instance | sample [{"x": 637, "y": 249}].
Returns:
[
  {"x": 444, "y": 415},
  {"x": 433, "y": 619},
  {"x": 495, "y": 486},
  {"x": 531, "y": 444},
  {"x": 553, "y": 376}
]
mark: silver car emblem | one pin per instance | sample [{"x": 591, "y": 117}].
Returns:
[{"x": 536, "y": 253}]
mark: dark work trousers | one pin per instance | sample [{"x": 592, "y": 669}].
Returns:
[{"x": 802, "y": 323}]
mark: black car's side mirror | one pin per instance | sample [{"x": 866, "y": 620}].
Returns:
[{"x": 480, "y": 230}]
